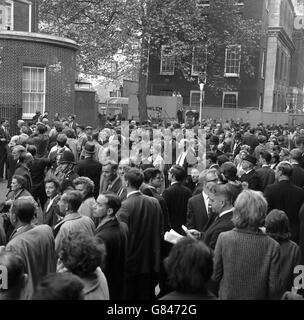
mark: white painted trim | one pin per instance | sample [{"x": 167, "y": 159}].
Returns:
[
  {"x": 25, "y": 1},
  {"x": 30, "y": 17},
  {"x": 231, "y": 93},
  {"x": 12, "y": 15},
  {"x": 191, "y": 92},
  {"x": 30, "y": 115},
  {"x": 169, "y": 73},
  {"x": 232, "y": 75},
  {"x": 263, "y": 64}
]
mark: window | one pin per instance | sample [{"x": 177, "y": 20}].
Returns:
[
  {"x": 33, "y": 91},
  {"x": 6, "y": 15},
  {"x": 167, "y": 64},
  {"x": 195, "y": 99},
  {"x": 199, "y": 61},
  {"x": 232, "y": 61},
  {"x": 115, "y": 93},
  {"x": 230, "y": 99}
]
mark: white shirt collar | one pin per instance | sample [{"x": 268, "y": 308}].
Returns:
[
  {"x": 226, "y": 211},
  {"x": 132, "y": 192},
  {"x": 174, "y": 182}
]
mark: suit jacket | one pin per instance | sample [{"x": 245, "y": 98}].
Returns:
[
  {"x": 35, "y": 245},
  {"x": 286, "y": 196},
  {"x": 23, "y": 170},
  {"x": 219, "y": 225},
  {"x": 6, "y": 136},
  {"x": 151, "y": 192},
  {"x": 197, "y": 215},
  {"x": 176, "y": 197},
  {"x": 266, "y": 176},
  {"x": 91, "y": 169},
  {"x": 51, "y": 216},
  {"x": 114, "y": 234},
  {"x": 252, "y": 179},
  {"x": 143, "y": 216},
  {"x": 114, "y": 186},
  {"x": 73, "y": 222},
  {"x": 297, "y": 176}
]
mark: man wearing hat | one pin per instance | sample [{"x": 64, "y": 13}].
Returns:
[
  {"x": 89, "y": 133},
  {"x": 250, "y": 176},
  {"x": 89, "y": 167}
]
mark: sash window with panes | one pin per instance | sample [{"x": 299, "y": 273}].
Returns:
[
  {"x": 33, "y": 90},
  {"x": 232, "y": 61}
]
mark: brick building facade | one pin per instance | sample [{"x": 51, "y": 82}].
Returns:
[
  {"x": 37, "y": 70},
  {"x": 279, "y": 63}
]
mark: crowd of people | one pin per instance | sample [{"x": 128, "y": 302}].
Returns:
[{"x": 87, "y": 210}]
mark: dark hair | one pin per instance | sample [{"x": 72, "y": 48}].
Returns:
[
  {"x": 32, "y": 150},
  {"x": 113, "y": 201},
  {"x": 24, "y": 209},
  {"x": 54, "y": 180},
  {"x": 212, "y": 156},
  {"x": 15, "y": 268},
  {"x": 69, "y": 132},
  {"x": 150, "y": 173},
  {"x": 189, "y": 266},
  {"x": 277, "y": 225},
  {"x": 266, "y": 156},
  {"x": 82, "y": 254},
  {"x": 134, "y": 177},
  {"x": 59, "y": 286},
  {"x": 21, "y": 180},
  {"x": 61, "y": 139},
  {"x": 286, "y": 168},
  {"x": 41, "y": 128},
  {"x": 73, "y": 198},
  {"x": 178, "y": 172}
]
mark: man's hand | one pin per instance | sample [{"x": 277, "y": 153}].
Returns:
[{"x": 195, "y": 234}]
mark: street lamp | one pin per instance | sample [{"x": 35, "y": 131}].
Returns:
[{"x": 201, "y": 85}]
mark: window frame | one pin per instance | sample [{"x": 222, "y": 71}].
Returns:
[
  {"x": 230, "y": 93},
  {"x": 233, "y": 74},
  {"x": 191, "y": 93},
  {"x": 203, "y": 5},
  {"x": 5, "y": 26},
  {"x": 30, "y": 115},
  {"x": 162, "y": 62},
  {"x": 201, "y": 63}
]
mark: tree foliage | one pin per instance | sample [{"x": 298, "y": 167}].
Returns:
[{"x": 128, "y": 31}]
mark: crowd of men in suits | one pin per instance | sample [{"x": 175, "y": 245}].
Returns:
[{"x": 120, "y": 193}]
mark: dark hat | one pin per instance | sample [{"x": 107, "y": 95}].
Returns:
[
  {"x": 89, "y": 147},
  {"x": 80, "y": 126},
  {"x": 251, "y": 159},
  {"x": 67, "y": 157},
  {"x": 214, "y": 140},
  {"x": 89, "y": 127},
  {"x": 229, "y": 170}
]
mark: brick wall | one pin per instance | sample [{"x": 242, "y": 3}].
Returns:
[{"x": 60, "y": 73}]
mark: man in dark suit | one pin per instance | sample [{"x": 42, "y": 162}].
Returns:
[
  {"x": 251, "y": 140},
  {"x": 286, "y": 196},
  {"x": 34, "y": 244},
  {"x": 51, "y": 211},
  {"x": 236, "y": 147},
  {"x": 4, "y": 140},
  {"x": 88, "y": 167},
  {"x": 143, "y": 216},
  {"x": 250, "y": 176},
  {"x": 109, "y": 179},
  {"x": 265, "y": 173},
  {"x": 113, "y": 233},
  {"x": 198, "y": 209},
  {"x": 221, "y": 202},
  {"x": 297, "y": 176},
  {"x": 176, "y": 197}
]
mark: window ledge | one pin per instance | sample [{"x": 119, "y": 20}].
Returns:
[{"x": 231, "y": 75}]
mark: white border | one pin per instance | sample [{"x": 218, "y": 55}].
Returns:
[{"x": 230, "y": 92}]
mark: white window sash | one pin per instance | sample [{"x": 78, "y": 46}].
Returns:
[
  {"x": 164, "y": 62},
  {"x": 192, "y": 92},
  {"x": 231, "y": 93},
  {"x": 229, "y": 62}
]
